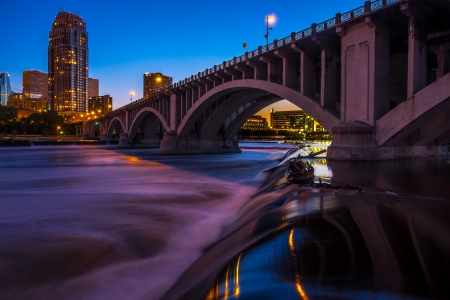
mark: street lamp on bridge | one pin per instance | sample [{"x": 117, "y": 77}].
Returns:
[
  {"x": 271, "y": 20},
  {"x": 131, "y": 96}
]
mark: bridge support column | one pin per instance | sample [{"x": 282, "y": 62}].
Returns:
[
  {"x": 365, "y": 72},
  {"x": 86, "y": 129},
  {"x": 123, "y": 140},
  {"x": 307, "y": 75},
  {"x": 259, "y": 69},
  {"x": 328, "y": 78},
  {"x": 291, "y": 64},
  {"x": 175, "y": 114},
  {"x": 169, "y": 143},
  {"x": 443, "y": 59},
  {"x": 417, "y": 49},
  {"x": 365, "y": 86}
]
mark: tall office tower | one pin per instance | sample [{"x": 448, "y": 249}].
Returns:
[
  {"x": 154, "y": 83},
  {"x": 35, "y": 84},
  {"x": 5, "y": 88},
  {"x": 93, "y": 87},
  {"x": 68, "y": 63}
]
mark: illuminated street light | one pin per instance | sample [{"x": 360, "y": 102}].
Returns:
[
  {"x": 131, "y": 96},
  {"x": 57, "y": 130},
  {"x": 158, "y": 79},
  {"x": 271, "y": 20}
]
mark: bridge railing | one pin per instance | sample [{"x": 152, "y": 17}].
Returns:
[{"x": 295, "y": 36}]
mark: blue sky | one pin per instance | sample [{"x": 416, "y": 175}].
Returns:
[{"x": 129, "y": 38}]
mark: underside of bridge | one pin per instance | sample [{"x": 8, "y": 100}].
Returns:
[
  {"x": 210, "y": 125},
  {"x": 376, "y": 78}
]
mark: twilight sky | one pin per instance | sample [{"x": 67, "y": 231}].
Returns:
[{"x": 129, "y": 38}]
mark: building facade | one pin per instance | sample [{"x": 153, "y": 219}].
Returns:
[
  {"x": 35, "y": 84},
  {"x": 288, "y": 120},
  {"x": 155, "y": 83},
  {"x": 5, "y": 88},
  {"x": 68, "y": 63},
  {"x": 93, "y": 87},
  {"x": 100, "y": 105},
  {"x": 23, "y": 101},
  {"x": 255, "y": 123},
  {"x": 294, "y": 120}
]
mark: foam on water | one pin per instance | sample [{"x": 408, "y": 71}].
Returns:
[{"x": 117, "y": 225}]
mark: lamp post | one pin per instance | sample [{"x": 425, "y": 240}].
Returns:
[
  {"x": 131, "y": 96},
  {"x": 269, "y": 19},
  {"x": 57, "y": 131}
]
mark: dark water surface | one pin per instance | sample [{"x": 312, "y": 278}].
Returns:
[{"x": 96, "y": 222}]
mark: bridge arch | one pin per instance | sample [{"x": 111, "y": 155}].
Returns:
[
  {"x": 152, "y": 124},
  {"x": 117, "y": 125},
  {"x": 259, "y": 87},
  {"x": 97, "y": 129}
]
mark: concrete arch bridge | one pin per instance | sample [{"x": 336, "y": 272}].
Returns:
[{"x": 376, "y": 77}]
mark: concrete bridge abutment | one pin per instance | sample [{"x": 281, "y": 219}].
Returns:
[{"x": 357, "y": 141}]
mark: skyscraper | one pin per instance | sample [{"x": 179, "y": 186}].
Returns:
[
  {"x": 154, "y": 83},
  {"x": 35, "y": 84},
  {"x": 68, "y": 63},
  {"x": 5, "y": 88}
]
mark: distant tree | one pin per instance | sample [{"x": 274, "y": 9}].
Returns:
[
  {"x": 42, "y": 123},
  {"x": 8, "y": 115},
  {"x": 51, "y": 119}
]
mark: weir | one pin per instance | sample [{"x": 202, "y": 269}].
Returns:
[{"x": 376, "y": 78}]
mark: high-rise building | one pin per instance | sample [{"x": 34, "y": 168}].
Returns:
[
  {"x": 68, "y": 63},
  {"x": 155, "y": 83},
  {"x": 35, "y": 84},
  {"x": 5, "y": 88},
  {"x": 93, "y": 87},
  {"x": 99, "y": 105}
]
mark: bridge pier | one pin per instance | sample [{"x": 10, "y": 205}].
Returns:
[
  {"x": 170, "y": 144},
  {"x": 357, "y": 141},
  {"x": 137, "y": 142}
]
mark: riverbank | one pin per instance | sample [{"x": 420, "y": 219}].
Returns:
[{"x": 38, "y": 140}]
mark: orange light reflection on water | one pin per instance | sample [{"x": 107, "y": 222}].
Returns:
[
  {"x": 298, "y": 284},
  {"x": 238, "y": 288}
]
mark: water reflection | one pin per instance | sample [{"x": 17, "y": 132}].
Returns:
[{"x": 310, "y": 243}]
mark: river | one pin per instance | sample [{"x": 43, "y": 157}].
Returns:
[{"x": 97, "y": 222}]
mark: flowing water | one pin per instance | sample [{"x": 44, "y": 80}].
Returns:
[{"x": 97, "y": 222}]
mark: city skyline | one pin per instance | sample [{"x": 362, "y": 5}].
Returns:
[{"x": 148, "y": 42}]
